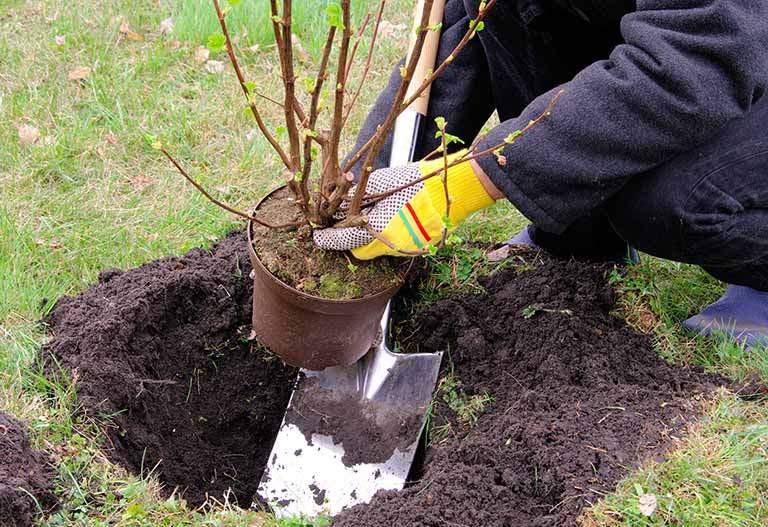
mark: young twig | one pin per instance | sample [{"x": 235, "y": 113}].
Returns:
[
  {"x": 221, "y": 204},
  {"x": 471, "y": 154},
  {"x": 358, "y": 39},
  {"x": 241, "y": 78},
  {"x": 389, "y": 121},
  {"x": 391, "y": 245}
]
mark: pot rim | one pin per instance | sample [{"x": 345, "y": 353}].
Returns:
[{"x": 252, "y": 250}]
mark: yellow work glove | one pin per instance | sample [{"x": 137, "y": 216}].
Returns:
[{"x": 412, "y": 218}]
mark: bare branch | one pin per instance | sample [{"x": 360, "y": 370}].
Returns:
[
  {"x": 241, "y": 78},
  {"x": 426, "y": 83},
  {"x": 221, "y": 204},
  {"x": 471, "y": 154},
  {"x": 311, "y": 133},
  {"x": 389, "y": 121},
  {"x": 331, "y": 172},
  {"x": 366, "y": 69},
  {"x": 289, "y": 79}
]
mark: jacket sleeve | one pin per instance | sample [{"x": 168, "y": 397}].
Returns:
[
  {"x": 685, "y": 69},
  {"x": 462, "y": 94}
]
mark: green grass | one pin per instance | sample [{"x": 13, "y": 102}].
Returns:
[
  {"x": 658, "y": 295},
  {"x": 195, "y": 21},
  {"x": 92, "y": 194},
  {"x": 717, "y": 476}
]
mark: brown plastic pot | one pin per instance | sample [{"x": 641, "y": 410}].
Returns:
[{"x": 310, "y": 331}]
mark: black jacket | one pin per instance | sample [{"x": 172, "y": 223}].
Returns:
[{"x": 643, "y": 83}]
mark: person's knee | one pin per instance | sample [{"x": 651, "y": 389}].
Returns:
[
  {"x": 719, "y": 218},
  {"x": 648, "y": 214}
]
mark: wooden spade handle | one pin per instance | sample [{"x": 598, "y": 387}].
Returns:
[{"x": 428, "y": 57}]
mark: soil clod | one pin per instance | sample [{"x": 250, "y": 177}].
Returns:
[
  {"x": 574, "y": 399},
  {"x": 26, "y": 477},
  {"x": 163, "y": 350}
]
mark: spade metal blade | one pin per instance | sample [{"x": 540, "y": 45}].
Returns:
[{"x": 349, "y": 432}]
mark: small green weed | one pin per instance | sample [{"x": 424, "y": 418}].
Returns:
[{"x": 466, "y": 407}]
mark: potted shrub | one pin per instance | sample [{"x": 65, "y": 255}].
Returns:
[{"x": 319, "y": 308}]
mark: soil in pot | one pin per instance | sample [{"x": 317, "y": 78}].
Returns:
[
  {"x": 26, "y": 476},
  {"x": 164, "y": 350},
  {"x": 293, "y": 257},
  {"x": 546, "y": 401}
]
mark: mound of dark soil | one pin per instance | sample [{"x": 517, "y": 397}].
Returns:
[
  {"x": 578, "y": 400},
  {"x": 24, "y": 473},
  {"x": 163, "y": 349}
]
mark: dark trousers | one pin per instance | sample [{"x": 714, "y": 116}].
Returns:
[{"x": 707, "y": 207}]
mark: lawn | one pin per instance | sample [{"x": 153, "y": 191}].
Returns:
[{"x": 84, "y": 88}]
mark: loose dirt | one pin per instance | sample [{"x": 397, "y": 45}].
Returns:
[
  {"x": 293, "y": 257},
  {"x": 570, "y": 397},
  {"x": 26, "y": 477},
  {"x": 577, "y": 400},
  {"x": 163, "y": 350}
]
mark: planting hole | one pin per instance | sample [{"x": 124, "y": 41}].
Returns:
[{"x": 163, "y": 350}]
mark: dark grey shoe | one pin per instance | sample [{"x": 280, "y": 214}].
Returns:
[{"x": 741, "y": 314}]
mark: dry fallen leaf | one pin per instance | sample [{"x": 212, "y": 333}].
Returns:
[
  {"x": 79, "y": 73},
  {"x": 201, "y": 53},
  {"x": 28, "y": 134},
  {"x": 647, "y": 504},
  {"x": 214, "y": 66},
  {"x": 139, "y": 181},
  {"x": 502, "y": 253},
  {"x": 60, "y": 40},
  {"x": 130, "y": 34},
  {"x": 166, "y": 26},
  {"x": 53, "y": 244},
  {"x": 260, "y": 520},
  {"x": 111, "y": 138}
]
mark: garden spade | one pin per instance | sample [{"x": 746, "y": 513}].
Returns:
[
  {"x": 310, "y": 472},
  {"x": 350, "y": 431}
]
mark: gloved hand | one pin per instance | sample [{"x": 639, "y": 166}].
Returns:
[{"x": 412, "y": 218}]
